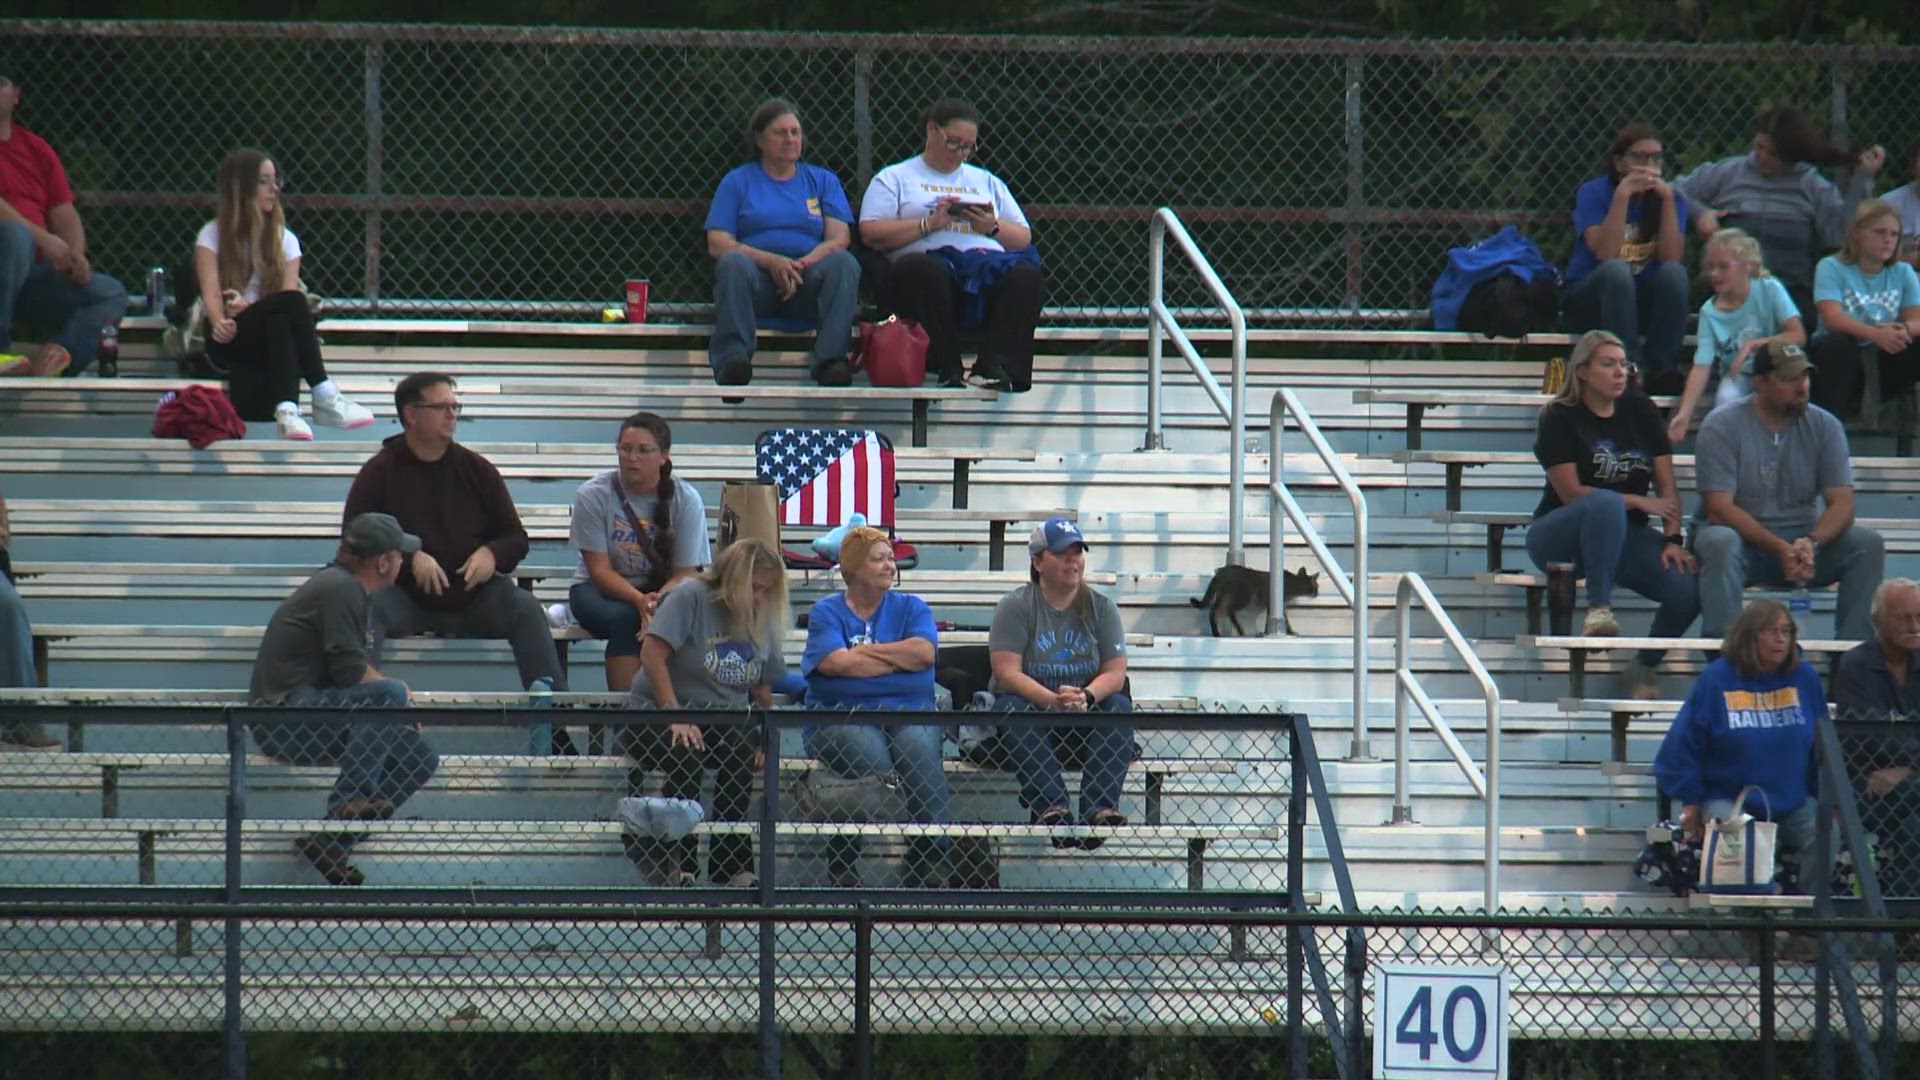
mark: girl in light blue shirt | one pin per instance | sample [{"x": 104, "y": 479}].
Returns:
[
  {"x": 1749, "y": 308},
  {"x": 1869, "y": 305}
]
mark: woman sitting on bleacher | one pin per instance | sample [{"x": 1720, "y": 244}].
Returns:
[
  {"x": 873, "y": 647},
  {"x": 261, "y": 332},
  {"x": 778, "y": 230},
  {"x": 1605, "y": 448},
  {"x": 1057, "y": 646},
  {"x": 1749, "y": 721},
  {"x": 640, "y": 531},
  {"x": 959, "y": 251},
  {"x": 713, "y": 643}
]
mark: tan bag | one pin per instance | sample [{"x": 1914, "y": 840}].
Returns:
[
  {"x": 749, "y": 508},
  {"x": 1554, "y": 377}
]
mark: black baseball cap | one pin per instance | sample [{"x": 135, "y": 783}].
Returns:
[{"x": 376, "y": 534}]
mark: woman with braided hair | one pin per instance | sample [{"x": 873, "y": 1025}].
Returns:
[{"x": 640, "y": 531}]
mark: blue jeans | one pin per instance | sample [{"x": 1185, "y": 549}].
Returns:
[
  {"x": 1728, "y": 564},
  {"x": 1652, "y": 307},
  {"x": 16, "y": 650},
  {"x": 742, "y": 292},
  {"x": 604, "y": 617},
  {"x": 1035, "y": 750},
  {"x": 1594, "y": 535},
  {"x": 31, "y": 291},
  {"x": 379, "y": 758},
  {"x": 1792, "y": 840},
  {"x": 910, "y": 751}
]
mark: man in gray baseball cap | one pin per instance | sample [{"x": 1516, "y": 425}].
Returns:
[{"x": 315, "y": 653}]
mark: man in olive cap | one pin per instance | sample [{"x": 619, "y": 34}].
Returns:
[{"x": 315, "y": 653}]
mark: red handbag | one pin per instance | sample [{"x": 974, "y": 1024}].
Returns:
[{"x": 892, "y": 353}]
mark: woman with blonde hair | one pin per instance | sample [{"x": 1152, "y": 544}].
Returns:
[
  {"x": 1750, "y": 721},
  {"x": 247, "y": 263},
  {"x": 1610, "y": 505},
  {"x": 713, "y": 643},
  {"x": 872, "y": 647},
  {"x": 1869, "y": 305}
]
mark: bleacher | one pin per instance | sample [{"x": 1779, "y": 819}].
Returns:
[{"x": 150, "y": 568}]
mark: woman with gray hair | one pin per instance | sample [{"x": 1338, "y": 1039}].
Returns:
[{"x": 1609, "y": 478}]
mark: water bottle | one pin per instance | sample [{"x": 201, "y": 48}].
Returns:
[
  {"x": 109, "y": 357},
  {"x": 1800, "y": 606},
  {"x": 540, "y": 734}
]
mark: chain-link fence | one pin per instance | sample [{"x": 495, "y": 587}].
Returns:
[
  {"x": 469, "y": 170},
  {"x": 1882, "y": 758}
]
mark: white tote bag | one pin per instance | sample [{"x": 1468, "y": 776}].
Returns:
[{"x": 1739, "y": 855}]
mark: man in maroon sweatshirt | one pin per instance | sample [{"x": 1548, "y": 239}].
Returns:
[{"x": 459, "y": 584}]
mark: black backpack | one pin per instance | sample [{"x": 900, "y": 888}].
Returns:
[{"x": 1504, "y": 306}]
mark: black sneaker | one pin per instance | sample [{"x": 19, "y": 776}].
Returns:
[
  {"x": 834, "y": 373},
  {"x": 952, "y": 380},
  {"x": 330, "y": 860}
]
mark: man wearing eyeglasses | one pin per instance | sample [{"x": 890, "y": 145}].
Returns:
[
  {"x": 1776, "y": 501},
  {"x": 45, "y": 277},
  {"x": 459, "y": 583}
]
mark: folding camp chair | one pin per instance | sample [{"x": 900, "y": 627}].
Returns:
[{"x": 826, "y": 475}]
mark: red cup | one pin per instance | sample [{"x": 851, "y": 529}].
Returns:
[{"x": 637, "y": 289}]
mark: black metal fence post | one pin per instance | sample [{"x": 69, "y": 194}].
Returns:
[
  {"x": 770, "y": 1062},
  {"x": 862, "y": 992},
  {"x": 1296, "y": 901},
  {"x": 1769, "y": 1061},
  {"x": 236, "y": 1034}
]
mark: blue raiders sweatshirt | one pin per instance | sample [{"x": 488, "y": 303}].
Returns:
[{"x": 1735, "y": 730}]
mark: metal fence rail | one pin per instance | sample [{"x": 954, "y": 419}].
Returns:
[{"x": 527, "y": 172}]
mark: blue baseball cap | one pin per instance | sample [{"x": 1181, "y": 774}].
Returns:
[{"x": 1057, "y": 535}]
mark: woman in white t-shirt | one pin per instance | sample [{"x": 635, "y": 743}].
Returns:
[
  {"x": 960, "y": 253},
  {"x": 247, "y": 263}
]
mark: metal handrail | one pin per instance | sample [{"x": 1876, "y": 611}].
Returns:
[
  {"x": 1231, "y": 402},
  {"x": 1352, "y": 589},
  {"x": 1406, "y": 685}
]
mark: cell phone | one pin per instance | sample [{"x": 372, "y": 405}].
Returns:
[{"x": 960, "y": 208}]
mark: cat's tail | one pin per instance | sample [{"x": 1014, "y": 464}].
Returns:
[{"x": 1206, "y": 598}]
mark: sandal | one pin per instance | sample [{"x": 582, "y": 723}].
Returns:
[
  {"x": 1104, "y": 818},
  {"x": 1054, "y": 817}
]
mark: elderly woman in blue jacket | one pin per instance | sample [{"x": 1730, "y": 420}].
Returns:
[{"x": 1749, "y": 722}]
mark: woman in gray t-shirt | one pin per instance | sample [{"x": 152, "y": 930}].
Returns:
[
  {"x": 1057, "y": 646},
  {"x": 639, "y": 531},
  {"x": 714, "y": 643}
]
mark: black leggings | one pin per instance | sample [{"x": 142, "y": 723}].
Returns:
[
  {"x": 729, "y": 754},
  {"x": 919, "y": 287},
  {"x": 273, "y": 348},
  {"x": 1841, "y": 360}
]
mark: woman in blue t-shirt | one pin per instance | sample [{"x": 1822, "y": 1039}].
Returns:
[
  {"x": 1750, "y": 721},
  {"x": 1610, "y": 506},
  {"x": 1869, "y": 305},
  {"x": 1628, "y": 273},
  {"x": 777, "y": 232},
  {"x": 871, "y": 647}
]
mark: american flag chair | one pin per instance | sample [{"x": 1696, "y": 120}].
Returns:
[{"x": 826, "y": 475}]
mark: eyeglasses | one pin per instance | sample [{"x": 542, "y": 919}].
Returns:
[
  {"x": 1645, "y": 157},
  {"x": 1777, "y": 631},
  {"x": 1884, "y": 234},
  {"x": 451, "y": 408},
  {"x": 274, "y": 182},
  {"x": 636, "y": 451},
  {"x": 962, "y": 146}
]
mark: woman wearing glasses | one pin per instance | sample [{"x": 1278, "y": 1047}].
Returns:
[
  {"x": 960, "y": 253},
  {"x": 1628, "y": 273},
  {"x": 247, "y": 263},
  {"x": 1749, "y": 723},
  {"x": 640, "y": 531}
]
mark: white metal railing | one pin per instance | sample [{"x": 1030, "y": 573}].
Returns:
[
  {"x": 1406, "y": 686},
  {"x": 1232, "y": 402},
  {"x": 1282, "y": 507}
]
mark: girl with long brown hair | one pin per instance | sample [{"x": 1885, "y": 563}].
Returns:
[{"x": 247, "y": 264}]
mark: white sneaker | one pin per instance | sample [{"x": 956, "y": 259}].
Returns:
[
  {"x": 292, "y": 428},
  {"x": 341, "y": 411}
]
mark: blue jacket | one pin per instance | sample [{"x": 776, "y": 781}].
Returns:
[
  {"x": 1505, "y": 250},
  {"x": 1735, "y": 730},
  {"x": 977, "y": 270}
]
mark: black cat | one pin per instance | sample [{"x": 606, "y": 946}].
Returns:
[{"x": 1236, "y": 588}]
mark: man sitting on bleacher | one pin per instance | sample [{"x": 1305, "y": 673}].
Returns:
[
  {"x": 1760, "y": 463},
  {"x": 1876, "y": 700},
  {"x": 16, "y": 647},
  {"x": 44, "y": 273},
  {"x": 459, "y": 583},
  {"x": 314, "y": 653}
]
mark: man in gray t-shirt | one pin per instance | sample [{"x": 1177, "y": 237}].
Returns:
[{"x": 1760, "y": 464}]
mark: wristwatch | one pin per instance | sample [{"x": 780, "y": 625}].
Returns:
[{"x": 995, "y": 231}]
